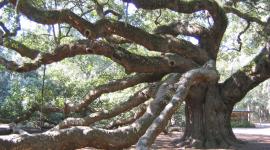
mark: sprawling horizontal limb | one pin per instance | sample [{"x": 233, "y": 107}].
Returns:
[
  {"x": 183, "y": 6},
  {"x": 152, "y": 42},
  {"x": 212, "y": 40},
  {"x": 117, "y": 39},
  {"x": 112, "y": 86},
  {"x": 248, "y": 77},
  {"x": 20, "y": 48},
  {"x": 77, "y": 137},
  {"x": 131, "y": 62},
  {"x": 182, "y": 28},
  {"x": 92, "y": 95},
  {"x": 207, "y": 73},
  {"x": 135, "y": 100},
  {"x": 107, "y": 27},
  {"x": 118, "y": 123}
]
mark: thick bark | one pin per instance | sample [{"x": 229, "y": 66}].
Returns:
[
  {"x": 186, "y": 81},
  {"x": 111, "y": 87},
  {"x": 212, "y": 6},
  {"x": 135, "y": 100},
  {"x": 91, "y": 96},
  {"x": 107, "y": 27},
  {"x": 208, "y": 105},
  {"x": 248, "y": 77},
  {"x": 131, "y": 62},
  {"x": 208, "y": 119},
  {"x": 137, "y": 115},
  {"x": 78, "y": 137},
  {"x": 182, "y": 28}
]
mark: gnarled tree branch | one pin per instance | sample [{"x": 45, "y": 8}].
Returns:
[
  {"x": 135, "y": 100},
  {"x": 20, "y": 48},
  {"x": 205, "y": 74},
  {"x": 131, "y": 62},
  {"x": 106, "y": 27},
  {"x": 78, "y": 137},
  {"x": 112, "y": 87},
  {"x": 248, "y": 77},
  {"x": 216, "y": 11},
  {"x": 182, "y": 28},
  {"x": 137, "y": 115},
  {"x": 90, "y": 97}
]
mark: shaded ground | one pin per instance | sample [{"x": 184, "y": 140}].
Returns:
[
  {"x": 254, "y": 142},
  {"x": 257, "y": 139}
]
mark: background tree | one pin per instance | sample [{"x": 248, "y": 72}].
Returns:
[{"x": 165, "y": 50}]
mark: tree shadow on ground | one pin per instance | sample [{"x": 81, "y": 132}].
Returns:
[{"x": 165, "y": 142}]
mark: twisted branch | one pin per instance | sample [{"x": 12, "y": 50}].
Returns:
[
  {"x": 131, "y": 62},
  {"x": 205, "y": 74}
]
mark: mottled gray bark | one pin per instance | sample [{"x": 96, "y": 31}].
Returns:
[
  {"x": 206, "y": 73},
  {"x": 208, "y": 105},
  {"x": 208, "y": 119},
  {"x": 78, "y": 137}
]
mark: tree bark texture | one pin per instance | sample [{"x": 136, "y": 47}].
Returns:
[
  {"x": 208, "y": 104},
  {"x": 208, "y": 119}
]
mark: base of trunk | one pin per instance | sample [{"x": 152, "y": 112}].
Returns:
[
  {"x": 224, "y": 143},
  {"x": 208, "y": 120}
]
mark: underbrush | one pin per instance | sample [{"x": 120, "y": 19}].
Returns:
[{"x": 242, "y": 124}]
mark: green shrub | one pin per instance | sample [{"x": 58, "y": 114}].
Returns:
[{"x": 242, "y": 124}]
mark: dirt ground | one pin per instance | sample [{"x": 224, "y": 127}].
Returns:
[{"x": 254, "y": 142}]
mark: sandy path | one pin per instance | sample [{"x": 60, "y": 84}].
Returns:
[{"x": 254, "y": 142}]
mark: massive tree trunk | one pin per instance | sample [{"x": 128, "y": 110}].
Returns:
[
  {"x": 209, "y": 107},
  {"x": 208, "y": 119},
  {"x": 208, "y": 103}
]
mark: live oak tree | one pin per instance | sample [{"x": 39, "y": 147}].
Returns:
[{"x": 181, "y": 71}]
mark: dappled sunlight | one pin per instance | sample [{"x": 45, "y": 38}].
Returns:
[{"x": 126, "y": 74}]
